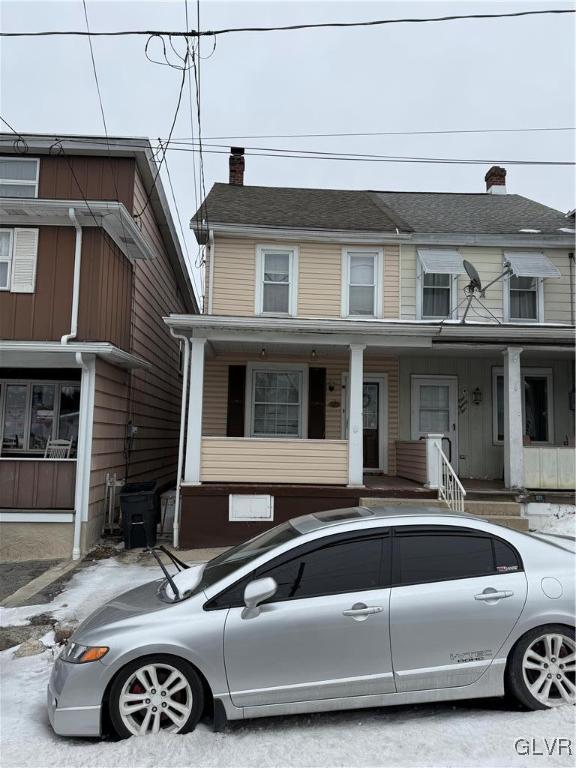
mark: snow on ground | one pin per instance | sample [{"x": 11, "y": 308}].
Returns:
[
  {"x": 460, "y": 734},
  {"x": 562, "y": 525}
]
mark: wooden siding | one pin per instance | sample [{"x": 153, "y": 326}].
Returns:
[
  {"x": 247, "y": 460},
  {"x": 106, "y": 283},
  {"x": 411, "y": 460},
  {"x": 319, "y": 278},
  {"x": 45, "y": 314},
  {"x": 94, "y": 178},
  {"x": 549, "y": 468},
  {"x": 37, "y": 484},
  {"x": 216, "y": 392},
  {"x": 488, "y": 262}
]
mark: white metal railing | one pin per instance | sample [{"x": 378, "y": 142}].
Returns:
[{"x": 450, "y": 489}]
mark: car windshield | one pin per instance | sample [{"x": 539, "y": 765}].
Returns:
[{"x": 228, "y": 562}]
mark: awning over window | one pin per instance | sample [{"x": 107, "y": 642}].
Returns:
[
  {"x": 441, "y": 261},
  {"x": 531, "y": 264}
]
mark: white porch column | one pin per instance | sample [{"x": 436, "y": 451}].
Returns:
[
  {"x": 513, "y": 431},
  {"x": 355, "y": 421},
  {"x": 433, "y": 442},
  {"x": 194, "y": 426}
]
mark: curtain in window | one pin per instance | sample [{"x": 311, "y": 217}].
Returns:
[
  {"x": 523, "y": 298},
  {"x": 436, "y": 295},
  {"x": 361, "y": 279}
]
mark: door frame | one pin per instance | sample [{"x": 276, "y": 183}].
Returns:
[
  {"x": 452, "y": 381},
  {"x": 382, "y": 380}
]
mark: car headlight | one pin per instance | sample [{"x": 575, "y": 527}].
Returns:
[{"x": 80, "y": 654}]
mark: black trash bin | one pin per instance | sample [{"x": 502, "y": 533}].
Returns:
[{"x": 140, "y": 507}]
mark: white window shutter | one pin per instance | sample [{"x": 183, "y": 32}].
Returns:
[{"x": 24, "y": 258}]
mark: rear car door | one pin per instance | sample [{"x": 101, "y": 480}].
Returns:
[
  {"x": 457, "y": 593},
  {"x": 324, "y": 634}
]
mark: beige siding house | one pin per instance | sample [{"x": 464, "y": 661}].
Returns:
[
  {"x": 345, "y": 351},
  {"x": 90, "y": 380}
]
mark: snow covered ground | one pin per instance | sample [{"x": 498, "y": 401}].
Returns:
[{"x": 480, "y": 733}]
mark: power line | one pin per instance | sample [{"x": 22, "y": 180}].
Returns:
[{"x": 293, "y": 27}]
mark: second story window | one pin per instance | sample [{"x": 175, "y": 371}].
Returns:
[
  {"x": 524, "y": 298},
  {"x": 524, "y": 289},
  {"x": 276, "y": 289},
  {"x": 5, "y": 258},
  {"x": 18, "y": 177},
  {"x": 437, "y": 273},
  {"x": 362, "y": 283},
  {"x": 436, "y": 295},
  {"x": 18, "y": 257}
]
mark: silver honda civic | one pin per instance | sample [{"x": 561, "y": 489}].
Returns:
[{"x": 336, "y": 610}]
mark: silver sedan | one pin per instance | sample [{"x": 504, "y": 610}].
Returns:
[{"x": 336, "y": 610}]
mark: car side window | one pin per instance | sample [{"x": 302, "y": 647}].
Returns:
[
  {"x": 437, "y": 556},
  {"x": 338, "y": 565},
  {"x": 505, "y": 557}
]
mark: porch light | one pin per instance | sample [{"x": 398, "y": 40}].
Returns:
[
  {"x": 313, "y": 355},
  {"x": 477, "y": 396},
  {"x": 263, "y": 354}
]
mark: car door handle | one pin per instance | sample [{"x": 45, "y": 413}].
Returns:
[
  {"x": 493, "y": 594},
  {"x": 362, "y": 610}
]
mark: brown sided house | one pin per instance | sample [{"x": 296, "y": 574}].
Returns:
[{"x": 90, "y": 381}]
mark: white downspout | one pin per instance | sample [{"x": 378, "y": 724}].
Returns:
[
  {"x": 185, "y": 364},
  {"x": 76, "y": 286},
  {"x": 210, "y": 271},
  {"x": 81, "y": 452}
]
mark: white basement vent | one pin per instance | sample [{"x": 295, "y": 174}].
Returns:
[{"x": 242, "y": 507}]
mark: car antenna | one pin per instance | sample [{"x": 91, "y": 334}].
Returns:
[{"x": 165, "y": 570}]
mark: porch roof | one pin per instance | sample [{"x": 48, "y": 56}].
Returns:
[
  {"x": 373, "y": 333},
  {"x": 40, "y": 354}
]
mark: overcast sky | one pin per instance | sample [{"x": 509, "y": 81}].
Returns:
[{"x": 458, "y": 75}]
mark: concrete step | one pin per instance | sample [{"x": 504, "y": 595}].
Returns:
[
  {"x": 518, "y": 523},
  {"x": 493, "y": 508}
]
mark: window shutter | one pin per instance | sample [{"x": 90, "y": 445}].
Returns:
[
  {"x": 317, "y": 403},
  {"x": 236, "y": 400},
  {"x": 24, "y": 259}
]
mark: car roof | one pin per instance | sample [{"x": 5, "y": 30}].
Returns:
[{"x": 367, "y": 515}]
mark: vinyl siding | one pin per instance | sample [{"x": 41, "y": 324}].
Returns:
[
  {"x": 249, "y": 460},
  {"x": 215, "y": 400},
  {"x": 319, "y": 278},
  {"x": 37, "y": 485}
]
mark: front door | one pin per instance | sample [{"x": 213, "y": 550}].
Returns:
[
  {"x": 324, "y": 634},
  {"x": 445, "y": 626},
  {"x": 435, "y": 411},
  {"x": 375, "y": 418}
]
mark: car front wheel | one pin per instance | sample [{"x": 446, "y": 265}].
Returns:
[
  {"x": 541, "y": 672},
  {"x": 154, "y": 694}
]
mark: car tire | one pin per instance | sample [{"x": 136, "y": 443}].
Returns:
[
  {"x": 535, "y": 673},
  {"x": 152, "y": 694}
]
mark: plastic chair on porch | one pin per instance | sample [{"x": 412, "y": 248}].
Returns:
[{"x": 58, "y": 449}]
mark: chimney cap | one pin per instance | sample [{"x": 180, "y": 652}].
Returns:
[
  {"x": 236, "y": 150},
  {"x": 496, "y": 179}
]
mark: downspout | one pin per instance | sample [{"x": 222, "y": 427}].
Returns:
[
  {"x": 76, "y": 286},
  {"x": 185, "y": 364},
  {"x": 83, "y": 454},
  {"x": 210, "y": 271},
  {"x": 572, "y": 287}
]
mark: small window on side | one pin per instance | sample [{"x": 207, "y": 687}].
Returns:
[{"x": 505, "y": 557}]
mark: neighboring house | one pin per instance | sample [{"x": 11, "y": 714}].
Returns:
[
  {"x": 332, "y": 342},
  {"x": 90, "y": 262}
]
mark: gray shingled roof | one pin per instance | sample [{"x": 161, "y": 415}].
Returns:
[{"x": 370, "y": 211}]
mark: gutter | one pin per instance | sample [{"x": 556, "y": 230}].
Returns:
[
  {"x": 76, "y": 286},
  {"x": 176, "y": 531}
]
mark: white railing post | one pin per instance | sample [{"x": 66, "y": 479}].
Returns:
[
  {"x": 433, "y": 464},
  {"x": 194, "y": 426},
  {"x": 450, "y": 489}
]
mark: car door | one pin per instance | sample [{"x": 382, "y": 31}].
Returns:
[
  {"x": 457, "y": 593},
  {"x": 324, "y": 634}
]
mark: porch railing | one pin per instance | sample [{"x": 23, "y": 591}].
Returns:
[{"x": 450, "y": 489}]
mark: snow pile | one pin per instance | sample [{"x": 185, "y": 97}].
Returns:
[{"x": 563, "y": 524}]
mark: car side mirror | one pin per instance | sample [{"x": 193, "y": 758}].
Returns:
[{"x": 255, "y": 593}]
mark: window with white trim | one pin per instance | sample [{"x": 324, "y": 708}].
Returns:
[
  {"x": 437, "y": 271},
  {"x": 524, "y": 287},
  {"x": 436, "y": 295},
  {"x": 524, "y": 297},
  {"x": 277, "y": 397},
  {"x": 362, "y": 283},
  {"x": 537, "y": 416},
  {"x": 276, "y": 274},
  {"x": 33, "y": 412},
  {"x": 5, "y": 258},
  {"x": 19, "y": 177}
]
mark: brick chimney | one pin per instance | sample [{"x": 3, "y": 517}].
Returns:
[
  {"x": 496, "y": 180},
  {"x": 236, "y": 165}
]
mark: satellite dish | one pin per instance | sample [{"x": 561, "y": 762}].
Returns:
[{"x": 475, "y": 282}]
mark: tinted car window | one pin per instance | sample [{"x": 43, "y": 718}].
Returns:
[
  {"x": 505, "y": 557},
  {"x": 350, "y": 566},
  {"x": 425, "y": 557}
]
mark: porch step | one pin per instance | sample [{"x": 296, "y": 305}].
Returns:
[
  {"x": 493, "y": 508},
  {"x": 518, "y": 523}
]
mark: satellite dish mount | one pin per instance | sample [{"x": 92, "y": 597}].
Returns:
[{"x": 475, "y": 292}]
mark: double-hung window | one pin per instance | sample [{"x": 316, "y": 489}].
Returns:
[
  {"x": 524, "y": 288},
  {"x": 536, "y": 405},
  {"x": 437, "y": 273},
  {"x": 33, "y": 412},
  {"x": 277, "y": 399},
  {"x": 524, "y": 298},
  {"x": 18, "y": 259},
  {"x": 5, "y": 258},
  {"x": 276, "y": 290},
  {"x": 362, "y": 283},
  {"x": 18, "y": 177}
]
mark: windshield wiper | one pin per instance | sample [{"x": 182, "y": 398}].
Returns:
[
  {"x": 165, "y": 570},
  {"x": 182, "y": 566}
]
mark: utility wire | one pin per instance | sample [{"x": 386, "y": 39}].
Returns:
[{"x": 293, "y": 27}]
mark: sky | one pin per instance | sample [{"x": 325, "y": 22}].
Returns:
[{"x": 512, "y": 73}]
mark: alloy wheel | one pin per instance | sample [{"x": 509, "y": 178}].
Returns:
[
  {"x": 549, "y": 667},
  {"x": 156, "y": 697}
]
